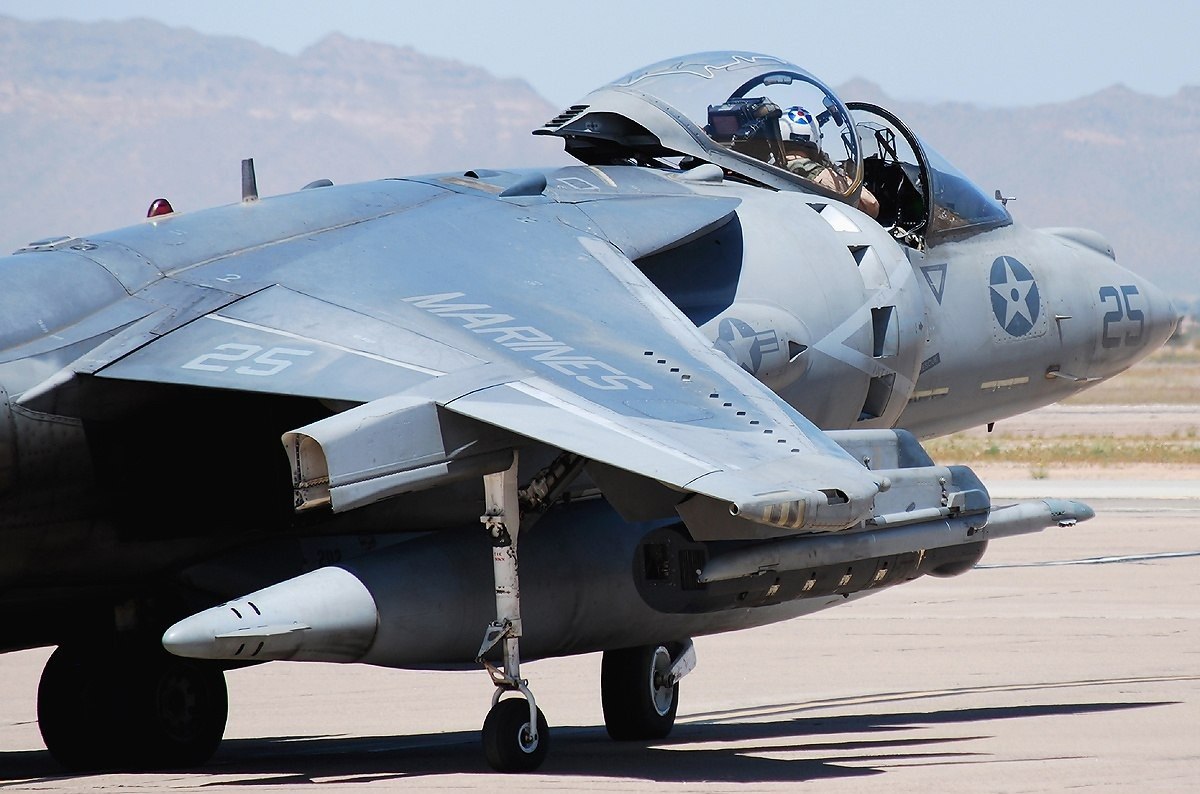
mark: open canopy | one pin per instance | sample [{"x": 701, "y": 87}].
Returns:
[
  {"x": 757, "y": 116},
  {"x": 767, "y": 121}
]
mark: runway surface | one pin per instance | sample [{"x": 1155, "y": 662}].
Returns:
[{"x": 1069, "y": 659}]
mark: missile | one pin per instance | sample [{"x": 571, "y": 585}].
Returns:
[{"x": 895, "y": 534}]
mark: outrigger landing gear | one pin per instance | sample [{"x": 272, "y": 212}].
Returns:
[
  {"x": 515, "y": 735},
  {"x": 128, "y": 705}
]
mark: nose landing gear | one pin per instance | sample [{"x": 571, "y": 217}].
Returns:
[
  {"x": 639, "y": 686},
  {"x": 516, "y": 737},
  {"x": 509, "y": 741}
]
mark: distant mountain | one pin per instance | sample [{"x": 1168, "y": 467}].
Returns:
[
  {"x": 96, "y": 120},
  {"x": 1119, "y": 162}
]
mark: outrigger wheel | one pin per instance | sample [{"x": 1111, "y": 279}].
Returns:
[{"x": 129, "y": 706}]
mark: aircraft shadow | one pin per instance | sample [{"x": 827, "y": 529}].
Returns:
[{"x": 864, "y": 740}]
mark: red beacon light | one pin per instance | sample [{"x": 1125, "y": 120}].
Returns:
[{"x": 160, "y": 206}]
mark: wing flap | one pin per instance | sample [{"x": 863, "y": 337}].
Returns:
[
  {"x": 416, "y": 440},
  {"x": 751, "y": 477}
]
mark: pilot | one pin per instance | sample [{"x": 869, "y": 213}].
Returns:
[{"x": 802, "y": 144}]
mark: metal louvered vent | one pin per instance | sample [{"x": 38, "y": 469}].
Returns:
[{"x": 564, "y": 117}]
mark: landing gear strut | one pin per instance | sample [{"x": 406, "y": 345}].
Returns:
[
  {"x": 639, "y": 689},
  {"x": 515, "y": 735},
  {"x": 131, "y": 708}
]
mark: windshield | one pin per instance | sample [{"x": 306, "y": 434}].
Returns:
[
  {"x": 923, "y": 198},
  {"x": 755, "y": 115},
  {"x": 959, "y": 205}
]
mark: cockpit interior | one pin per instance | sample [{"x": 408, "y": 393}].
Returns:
[{"x": 770, "y": 123}]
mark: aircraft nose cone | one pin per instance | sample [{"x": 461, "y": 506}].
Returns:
[
  {"x": 1162, "y": 318},
  {"x": 1178, "y": 318},
  {"x": 1132, "y": 318}
]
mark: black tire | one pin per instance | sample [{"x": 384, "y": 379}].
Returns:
[
  {"x": 505, "y": 737},
  {"x": 184, "y": 707},
  {"x": 126, "y": 709},
  {"x": 636, "y": 705},
  {"x": 76, "y": 709}
]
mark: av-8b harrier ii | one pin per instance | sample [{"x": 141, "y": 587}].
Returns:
[{"x": 679, "y": 388}]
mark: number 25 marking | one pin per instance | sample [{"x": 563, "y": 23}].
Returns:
[
  {"x": 269, "y": 363},
  {"x": 1122, "y": 311}
]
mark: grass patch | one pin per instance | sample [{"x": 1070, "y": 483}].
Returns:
[
  {"x": 1042, "y": 453},
  {"x": 1169, "y": 376}
]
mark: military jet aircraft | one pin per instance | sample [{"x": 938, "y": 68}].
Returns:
[{"x": 690, "y": 375}]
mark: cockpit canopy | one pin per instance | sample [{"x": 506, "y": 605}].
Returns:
[
  {"x": 924, "y": 199},
  {"x": 766, "y": 121},
  {"x": 756, "y": 116}
]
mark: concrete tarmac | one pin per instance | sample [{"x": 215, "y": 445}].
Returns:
[{"x": 1069, "y": 659}]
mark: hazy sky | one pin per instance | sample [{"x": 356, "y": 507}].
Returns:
[{"x": 1010, "y": 52}]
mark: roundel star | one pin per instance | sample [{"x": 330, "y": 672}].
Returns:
[
  {"x": 1015, "y": 299},
  {"x": 743, "y": 344}
]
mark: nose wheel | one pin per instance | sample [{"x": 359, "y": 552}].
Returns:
[
  {"x": 509, "y": 741},
  {"x": 515, "y": 735}
]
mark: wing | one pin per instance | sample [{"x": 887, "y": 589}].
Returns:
[
  {"x": 496, "y": 320},
  {"x": 684, "y": 415}
]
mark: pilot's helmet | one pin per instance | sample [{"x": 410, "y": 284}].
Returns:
[{"x": 798, "y": 126}]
